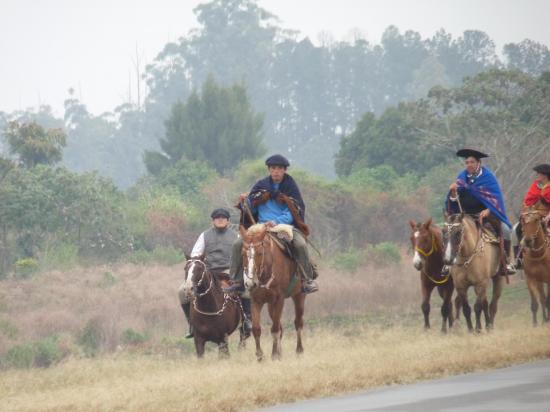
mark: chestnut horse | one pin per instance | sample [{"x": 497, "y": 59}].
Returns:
[
  {"x": 214, "y": 314},
  {"x": 475, "y": 260},
  {"x": 271, "y": 277},
  {"x": 427, "y": 243},
  {"x": 536, "y": 260}
]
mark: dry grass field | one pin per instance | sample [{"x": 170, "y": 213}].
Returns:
[{"x": 363, "y": 331}]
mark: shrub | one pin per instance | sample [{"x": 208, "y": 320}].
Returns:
[
  {"x": 348, "y": 261},
  {"x": 25, "y": 268},
  {"x": 384, "y": 253},
  {"x": 91, "y": 337},
  {"x": 61, "y": 256},
  {"x": 42, "y": 354},
  {"x": 167, "y": 255},
  {"x": 20, "y": 356},
  {"x": 132, "y": 337},
  {"x": 108, "y": 280}
]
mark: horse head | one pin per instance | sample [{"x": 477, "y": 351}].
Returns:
[
  {"x": 255, "y": 254},
  {"x": 195, "y": 277},
  {"x": 531, "y": 223},
  {"x": 454, "y": 228},
  {"x": 423, "y": 242}
]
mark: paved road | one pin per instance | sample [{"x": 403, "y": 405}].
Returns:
[{"x": 524, "y": 388}]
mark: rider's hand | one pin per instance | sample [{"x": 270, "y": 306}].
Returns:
[
  {"x": 484, "y": 214},
  {"x": 243, "y": 196},
  {"x": 546, "y": 219},
  {"x": 270, "y": 224},
  {"x": 453, "y": 187}
]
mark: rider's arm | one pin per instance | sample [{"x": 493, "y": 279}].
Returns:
[{"x": 198, "y": 249}]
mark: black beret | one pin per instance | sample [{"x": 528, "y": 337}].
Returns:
[
  {"x": 465, "y": 153},
  {"x": 220, "y": 213},
  {"x": 277, "y": 160},
  {"x": 543, "y": 168}
]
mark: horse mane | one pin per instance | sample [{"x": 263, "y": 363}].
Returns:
[{"x": 256, "y": 229}]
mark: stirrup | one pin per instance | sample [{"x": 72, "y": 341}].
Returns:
[
  {"x": 310, "y": 286},
  {"x": 510, "y": 269}
]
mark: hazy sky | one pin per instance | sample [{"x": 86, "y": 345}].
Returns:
[{"x": 47, "y": 46}]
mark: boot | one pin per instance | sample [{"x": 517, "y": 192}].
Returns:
[
  {"x": 510, "y": 267},
  {"x": 518, "y": 252},
  {"x": 247, "y": 323},
  {"x": 186, "y": 309}
]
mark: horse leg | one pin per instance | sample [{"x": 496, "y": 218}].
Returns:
[
  {"x": 256, "y": 328},
  {"x": 458, "y": 307},
  {"x": 199, "y": 345},
  {"x": 426, "y": 293},
  {"x": 534, "y": 292},
  {"x": 547, "y": 319},
  {"x": 446, "y": 314},
  {"x": 276, "y": 311},
  {"x": 466, "y": 309},
  {"x": 299, "y": 304},
  {"x": 223, "y": 349},
  {"x": 481, "y": 305},
  {"x": 498, "y": 282}
]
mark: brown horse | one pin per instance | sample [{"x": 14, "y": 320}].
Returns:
[
  {"x": 271, "y": 277},
  {"x": 214, "y": 314},
  {"x": 475, "y": 259},
  {"x": 427, "y": 243},
  {"x": 536, "y": 260}
]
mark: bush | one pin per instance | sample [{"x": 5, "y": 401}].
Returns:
[
  {"x": 384, "y": 253},
  {"x": 42, "y": 354},
  {"x": 348, "y": 261},
  {"x": 163, "y": 255},
  {"x": 61, "y": 256},
  {"x": 91, "y": 338},
  {"x": 20, "y": 357},
  {"x": 131, "y": 337},
  {"x": 108, "y": 280},
  {"x": 25, "y": 268}
]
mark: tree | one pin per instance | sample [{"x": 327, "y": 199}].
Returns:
[
  {"x": 35, "y": 145},
  {"x": 218, "y": 127},
  {"x": 528, "y": 56}
]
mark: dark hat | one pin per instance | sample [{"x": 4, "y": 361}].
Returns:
[
  {"x": 465, "y": 153},
  {"x": 277, "y": 160},
  {"x": 543, "y": 168},
  {"x": 220, "y": 213}
]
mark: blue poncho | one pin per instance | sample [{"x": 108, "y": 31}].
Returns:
[{"x": 484, "y": 188}]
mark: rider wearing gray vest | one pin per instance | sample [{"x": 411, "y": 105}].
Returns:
[{"x": 215, "y": 246}]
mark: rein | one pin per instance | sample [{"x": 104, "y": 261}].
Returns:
[
  {"x": 428, "y": 254},
  {"x": 226, "y": 297},
  {"x": 479, "y": 247},
  {"x": 546, "y": 242}
]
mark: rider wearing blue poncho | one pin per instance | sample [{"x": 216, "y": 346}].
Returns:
[{"x": 476, "y": 191}]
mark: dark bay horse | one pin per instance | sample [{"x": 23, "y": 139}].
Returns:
[
  {"x": 214, "y": 314},
  {"x": 475, "y": 260},
  {"x": 427, "y": 243},
  {"x": 536, "y": 260},
  {"x": 271, "y": 277}
]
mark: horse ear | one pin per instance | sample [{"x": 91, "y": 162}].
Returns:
[
  {"x": 413, "y": 224},
  {"x": 244, "y": 235},
  {"x": 428, "y": 223},
  {"x": 187, "y": 256}
]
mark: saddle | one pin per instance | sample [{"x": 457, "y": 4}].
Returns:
[{"x": 284, "y": 234}]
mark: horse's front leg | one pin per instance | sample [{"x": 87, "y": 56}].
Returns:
[
  {"x": 299, "y": 305},
  {"x": 498, "y": 282},
  {"x": 200, "y": 342},
  {"x": 481, "y": 305},
  {"x": 466, "y": 309},
  {"x": 426, "y": 294},
  {"x": 223, "y": 348},
  {"x": 256, "y": 328},
  {"x": 276, "y": 312}
]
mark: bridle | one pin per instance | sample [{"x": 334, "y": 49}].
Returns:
[
  {"x": 477, "y": 249},
  {"x": 432, "y": 250},
  {"x": 258, "y": 270},
  {"x": 540, "y": 228},
  {"x": 226, "y": 296}
]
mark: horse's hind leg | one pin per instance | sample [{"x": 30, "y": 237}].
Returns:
[
  {"x": 446, "y": 307},
  {"x": 257, "y": 329},
  {"x": 299, "y": 304},
  {"x": 547, "y": 319},
  {"x": 497, "y": 291},
  {"x": 426, "y": 293}
]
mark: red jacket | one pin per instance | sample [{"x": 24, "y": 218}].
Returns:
[{"x": 536, "y": 193}]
